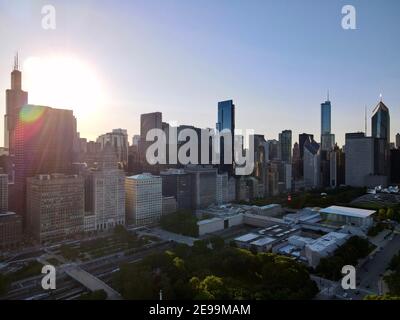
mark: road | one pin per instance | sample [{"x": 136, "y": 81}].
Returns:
[
  {"x": 369, "y": 275},
  {"x": 67, "y": 288}
]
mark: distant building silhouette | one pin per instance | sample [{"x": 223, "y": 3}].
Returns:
[{"x": 44, "y": 142}]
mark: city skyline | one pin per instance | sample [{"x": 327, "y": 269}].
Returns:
[{"x": 258, "y": 86}]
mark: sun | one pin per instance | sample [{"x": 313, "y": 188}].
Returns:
[{"x": 64, "y": 82}]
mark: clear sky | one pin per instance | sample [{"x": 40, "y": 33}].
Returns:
[{"x": 274, "y": 58}]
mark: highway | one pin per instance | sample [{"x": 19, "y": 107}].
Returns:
[{"x": 67, "y": 288}]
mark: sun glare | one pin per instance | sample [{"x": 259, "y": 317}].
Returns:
[{"x": 64, "y": 82}]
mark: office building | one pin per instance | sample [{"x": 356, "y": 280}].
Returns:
[
  {"x": 44, "y": 144},
  {"x": 118, "y": 139},
  {"x": 105, "y": 192},
  {"x": 381, "y": 122},
  {"x": 143, "y": 194},
  {"x": 203, "y": 179},
  {"x": 148, "y": 122},
  {"x": 365, "y": 161},
  {"x": 226, "y": 121},
  {"x": 168, "y": 205},
  {"x": 273, "y": 150},
  {"x": 10, "y": 230},
  {"x": 177, "y": 183},
  {"x": 398, "y": 141},
  {"x": 55, "y": 207},
  {"x": 222, "y": 188},
  {"x": 3, "y": 193},
  {"x": 16, "y": 98},
  {"x": 285, "y": 146},
  {"x": 10, "y": 223},
  {"x": 312, "y": 164},
  {"x": 302, "y": 140}
]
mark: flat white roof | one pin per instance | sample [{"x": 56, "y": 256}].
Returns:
[
  {"x": 326, "y": 241},
  {"x": 346, "y": 211},
  {"x": 247, "y": 237},
  {"x": 206, "y": 221},
  {"x": 263, "y": 241}
]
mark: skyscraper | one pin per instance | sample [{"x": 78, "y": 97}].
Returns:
[
  {"x": 226, "y": 121},
  {"x": 326, "y": 117},
  {"x": 398, "y": 141},
  {"x": 312, "y": 164},
  {"x": 15, "y": 99},
  {"x": 327, "y": 138},
  {"x": 105, "y": 193},
  {"x": 302, "y": 139},
  {"x": 365, "y": 160},
  {"x": 285, "y": 142},
  {"x": 118, "y": 140},
  {"x": 143, "y": 199},
  {"x": 44, "y": 141},
  {"x": 381, "y": 122},
  {"x": 148, "y": 122},
  {"x": 55, "y": 206}
]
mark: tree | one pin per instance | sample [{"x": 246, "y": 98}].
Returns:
[
  {"x": 4, "y": 284},
  {"x": 390, "y": 214},
  {"x": 382, "y": 214}
]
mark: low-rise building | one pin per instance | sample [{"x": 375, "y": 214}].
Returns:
[
  {"x": 323, "y": 247},
  {"x": 350, "y": 216},
  {"x": 210, "y": 225}
]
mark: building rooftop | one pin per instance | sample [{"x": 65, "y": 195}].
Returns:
[
  {"x": 268, "y": 206},
  {"x": 327, "y": 241},
  {"x": 143, "y": 176},
  {"x": 263, "y": 241},
  {"x": 350, "y": 212},
  {"x": 248, "y": 237},
  {"x": 206, "y": 221}
]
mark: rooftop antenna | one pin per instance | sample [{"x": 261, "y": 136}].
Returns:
[
  {"x": 328, "y": 95},
  {"x": 16, "y": 62},
  {"x": 365, "y": 120}
]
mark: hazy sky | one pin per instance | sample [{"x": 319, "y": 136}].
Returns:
[{"x": 275, "y": 59}]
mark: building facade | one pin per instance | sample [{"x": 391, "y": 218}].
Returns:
[
  {"x": 16, "y": 98},
  {"x": 105, "y": 192},
  {"x": 44, "y": 143},
  {"x": 118, "y": 139},
  {"x": 55, "y": 207},
  {"x": 143, "y": 199},
  {"x": 177, "y": 183}
]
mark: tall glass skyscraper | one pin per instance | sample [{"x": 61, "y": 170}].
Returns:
[
  {"x": 226, "y": 120},
  {"x": 285, "y": 142},
  {"x": 226, "y": 116},
  {"x": 381, "y": 122},
  {"x": 327, "y": 138},
  {"x": 326, "y": 117}
]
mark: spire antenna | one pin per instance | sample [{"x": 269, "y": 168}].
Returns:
[
  {"x": 16, "y": 61},
  {"x": 365, "y": 120},
  {"x": 328, "y": 95}
]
